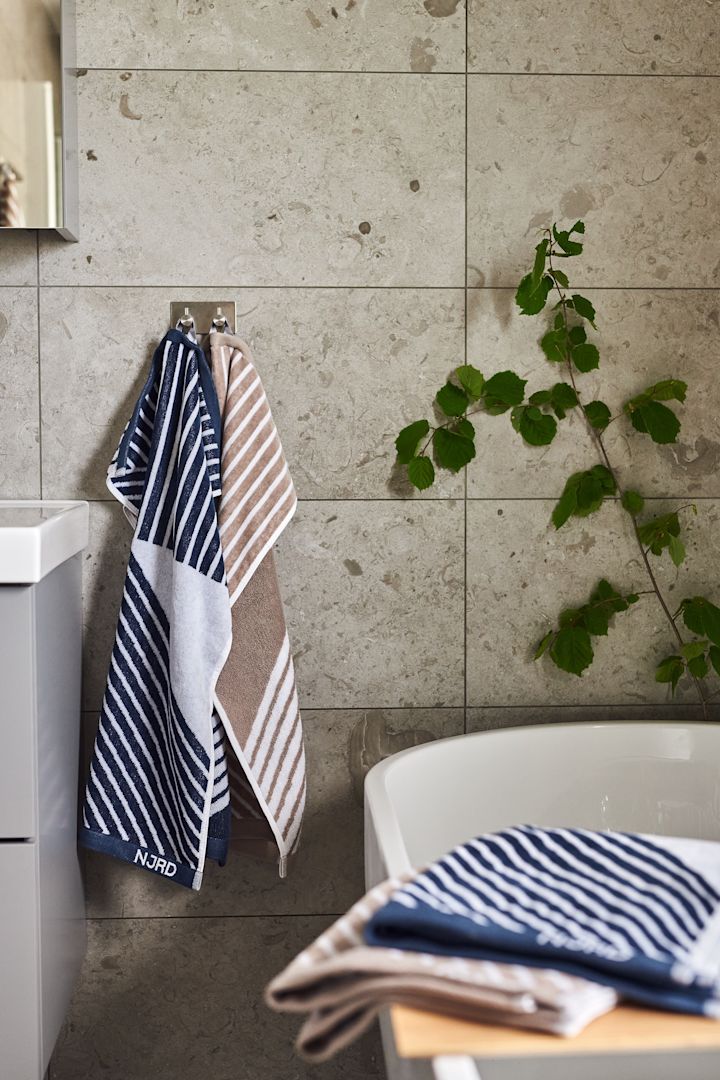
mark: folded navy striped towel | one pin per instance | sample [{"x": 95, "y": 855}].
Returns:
[{"x": 638, "y": 913}]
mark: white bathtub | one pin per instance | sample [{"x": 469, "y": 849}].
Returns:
[{"x": 647, "y": 777}]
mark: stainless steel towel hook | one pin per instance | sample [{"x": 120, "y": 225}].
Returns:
[{"x": 203, "y": 315}]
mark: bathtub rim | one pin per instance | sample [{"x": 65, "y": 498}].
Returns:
[{"x": 379, "y": 806}]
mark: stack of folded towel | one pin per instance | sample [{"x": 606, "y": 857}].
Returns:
[{"x": 538, "y": 928}]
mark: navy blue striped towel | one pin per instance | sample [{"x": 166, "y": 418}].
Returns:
[
  {"x": 640, "y": 914},
  {"x": 157, "y": 794}
]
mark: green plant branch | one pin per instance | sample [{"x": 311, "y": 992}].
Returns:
[
  {"x": 535, "y": 419},
  {"x": 605, "y": 459}
]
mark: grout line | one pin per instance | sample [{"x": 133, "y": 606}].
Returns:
[
  {"x": 465, "y": 360},
  {"x": 401, "y": 72},
  {"x": 184, "y": 918},
  {"x": 681, "y": 705},
  {"x": 39, "y": 362},
  {"x": 374, "y": 288},
  {"x": 459, "y": 708},
  {"x": 269, "y": 71},
  {"x": 437, "y": 501}
]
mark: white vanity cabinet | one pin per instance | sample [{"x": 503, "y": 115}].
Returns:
[{"x": 42, "y": 917}]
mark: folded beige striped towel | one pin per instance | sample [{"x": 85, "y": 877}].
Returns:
[
  {"x": 342, "y": 984},
  {"x": 255, "y": 693}
]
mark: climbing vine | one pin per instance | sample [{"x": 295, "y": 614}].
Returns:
[{"x": 450, "y": 444}]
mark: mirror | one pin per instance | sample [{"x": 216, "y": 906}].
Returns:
[{"x": 37, "y": 136}]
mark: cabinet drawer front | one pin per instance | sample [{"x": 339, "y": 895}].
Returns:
[
  {"x": 17, "y": 713},
  {"x": 19, "y": 990}
]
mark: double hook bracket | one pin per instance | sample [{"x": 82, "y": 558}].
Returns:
[{"x": 202, "y": 315}]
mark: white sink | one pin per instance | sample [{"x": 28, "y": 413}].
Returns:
[{"x": 36, "y": 536}]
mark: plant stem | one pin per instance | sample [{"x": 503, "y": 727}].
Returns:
[{"x": 603, "y": 454}]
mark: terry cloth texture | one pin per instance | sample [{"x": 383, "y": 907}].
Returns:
[
  {"x": 343, "y": 983},
  {"x": 155, "y": 795},
  {"x": 640, "y": 914},
  {"x": 256, "y": 693}
]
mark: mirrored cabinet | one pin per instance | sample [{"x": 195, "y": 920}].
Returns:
[{"x": 38, "y": 143}]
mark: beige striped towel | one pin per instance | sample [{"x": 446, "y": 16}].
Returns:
[
  {"x": 342, "y": 984},
  {"x": 255, "y": 693}
]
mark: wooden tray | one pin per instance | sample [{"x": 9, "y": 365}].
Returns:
[{"x": 426, "y": 1035}]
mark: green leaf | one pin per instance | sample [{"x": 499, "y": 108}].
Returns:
[
  {"x": 502, "y": 391},
  {"x": 655, "y": 420},
  {"x": 598, "y": 414},
  {"x": 407, "y": 441},
  {"x": 693, "y": 649},
  {"x": 578, "y": 227},
  {"x": 586, "y": 357},
  {"x": 544, "y": 642},
  {"x": 702, "y": 617},
  {"x": 421, "y": 472},
  {"x": 714, "y": 654},
  {"x": 471, "y": 380},
  {"x": 563, "y": 396},
  {"x": 670, "y": 670},
  {"x": 605, "y": 593},
  {"x": 667, "y": 390},
  {"x": 698, "y": 667},
  {"x": 632, "y": 501},
  {"x": 572, "y": 650},
  {"x": 539, "y": 264},
  {"x": 560, "y": 277},
  {"x": 560, "y": 397},
  {"x": 662, "y": 532},
  {"x": 465, "y": 428},
  {"x": 584, "y": 308},
  {"x": 606, "y": 478},
  {"x": 589, "y": 494},
  {"x": 555, "y": 345},
  {"x": 650, "y": 417},
  {"x": 569, "y": 247},
  {"x": 583, "y": 494},
  {"x": 577, "y": 335},
  {"x": 693, "y": 614},
  {"x": 676, "y": 549},
  {"x": 453, "y": 450},
  {"x": 532, "y": 299},
  {"x": 452, "y": 400},
  {"x": 540, "y": 397},
  {"x": 596, "y": 621},
  {"x": 536, "y": 428},
  {"x": 565, "y": 507}
]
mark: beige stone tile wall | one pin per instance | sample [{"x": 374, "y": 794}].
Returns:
[{"x": 366, "y": 179}]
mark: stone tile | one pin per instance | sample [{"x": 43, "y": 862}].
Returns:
[
  {"x": 326, "y": 876},
  {"x": 521, "y": 574},
  {"x": 19, "y": 420},
  {"x": 650, "y": 37},
  {"x": 181, "y": 999},
  {"x": 374, "y": 599},
  {"x": 643, "y": 336},
  {"x": 18, "y": 257},
  {"x": 385, "y": 35},
  {"x": 344, "y": 370},
  {"x": 493, "y": 719},
  {"x": 105, "y": 563},
  {"x": 313, "y": 187},
  {"x": 635, "y": 158}
]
